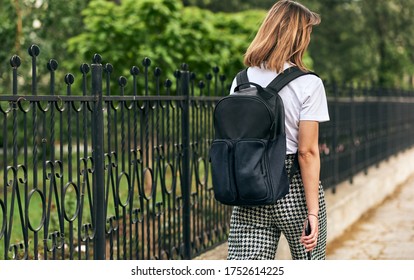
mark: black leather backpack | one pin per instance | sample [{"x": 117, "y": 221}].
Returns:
[{"x": 249, "y": 149}]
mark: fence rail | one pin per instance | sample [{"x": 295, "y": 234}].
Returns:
[{"x": 120, "y": 170}]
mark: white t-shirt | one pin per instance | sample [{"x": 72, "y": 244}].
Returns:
[{"x": 303, "y": 98}]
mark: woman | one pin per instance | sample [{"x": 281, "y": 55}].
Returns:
[{"x": 279, "y": 44}]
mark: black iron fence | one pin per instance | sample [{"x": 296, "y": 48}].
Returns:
[
  {"x": 102, "y": 171},
  {"x": 368, "y": 125}
]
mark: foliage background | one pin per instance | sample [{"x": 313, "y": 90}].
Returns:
[{"x": 358, "y": 41}]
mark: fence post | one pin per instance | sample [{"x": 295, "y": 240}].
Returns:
[
  {"x": 353, "y": 128},
  {"x": 335, "y": 136},
  {"x": 98, "y": 156},
  {"x": 186, "y": 179}
]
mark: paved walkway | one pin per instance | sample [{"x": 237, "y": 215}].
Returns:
[{"x": 385, "y": 233}]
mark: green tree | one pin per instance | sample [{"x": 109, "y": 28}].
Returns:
[
  {"x": 8, "y": 29},
  {"x": 167, "y": 33},
  {"x": 357, "y": 41},
  {"x": 339, "y": 45},
  {"x": 8, "y": 39},
  {"x": 391, "y": 30},
  {"x": 47, "y": 23},
  {"x": 360, "y": 41},
  {"x": 230, "y": 6},
  {"x": 59, "y": 20}
]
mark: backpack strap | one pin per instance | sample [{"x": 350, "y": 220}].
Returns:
[
  {"x": 276, "y": 85},
  {"x": 286, "y": 77},
  {"x": 242, "y": 78}
]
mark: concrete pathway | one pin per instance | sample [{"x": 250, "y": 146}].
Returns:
[{"x": 384, "y": 233}]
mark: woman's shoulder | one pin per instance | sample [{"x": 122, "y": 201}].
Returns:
[
  {"x": 310, "y": 79},
  {"x": 260, "y": 73},
  {"x": 263, "y": 73},
  {"x": 263, "y": 76}
]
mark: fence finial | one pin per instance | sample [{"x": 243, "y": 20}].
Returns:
[
  {"x": 34, "y": 50},
  {"x": 52, "y": 65},
  {"x": 146, "y": 62},
  {"x": 108, "y": 68},
  {"x": 97, "y": 59},
  {"x": 177, "y": 74},
  {"x": 69, "y": 79},
  {"x": 184, "y": 67},
  {"x": 15, "y": 61},
  {"x": 134, "y": 71},
  {"x": 122, "y": 81},
  {"x": 168, "y": 83},
  {"x": 84, "y": 68},
  {"x": 157, "y": 72}
]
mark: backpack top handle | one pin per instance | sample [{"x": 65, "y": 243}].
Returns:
[
  {"x": 245, "y": 85},
  {"x": 263, "y": 94}
]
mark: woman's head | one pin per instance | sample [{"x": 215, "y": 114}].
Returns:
[{"x": 283, "y": 36}]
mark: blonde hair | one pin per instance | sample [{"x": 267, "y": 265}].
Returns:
[{"x": 283, "y": 36}]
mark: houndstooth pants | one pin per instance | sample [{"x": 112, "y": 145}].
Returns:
[{"x": 255, "y": 231}]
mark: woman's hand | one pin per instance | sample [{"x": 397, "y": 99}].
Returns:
[{"x": 311, "y": 240}]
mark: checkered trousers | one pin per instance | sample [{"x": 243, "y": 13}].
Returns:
[{"x": 255, "y": 231}]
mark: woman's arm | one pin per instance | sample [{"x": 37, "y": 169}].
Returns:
[{"x": 309, "y": 163}]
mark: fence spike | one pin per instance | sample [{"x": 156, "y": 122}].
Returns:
[
  {"x": 134, "y": 71},
  {"x": 201, "y": 84},
  {"x": 122, "y": 81},
  {"x": 157, "y": 72},
  {"x": 146, "y": 62},
  {"x": 69, "y": 79},
  {"x": 84, "y": 68},
  {"x": 97, "y": 59},
  {"x": 52, "y": 65},
  {"x": 184, "y": 67},
  {"x": 177, "y": 74},
  {"x": 34, "y": 50},
  {"x": 108, "y": 68},
  {"x": 168, "y": 83},
  {"x": 15, "y": 61}
]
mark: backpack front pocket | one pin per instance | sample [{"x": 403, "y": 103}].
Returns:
[
  {"x": 251, "y": 169},
  {"x": 222, "y": 170}
]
